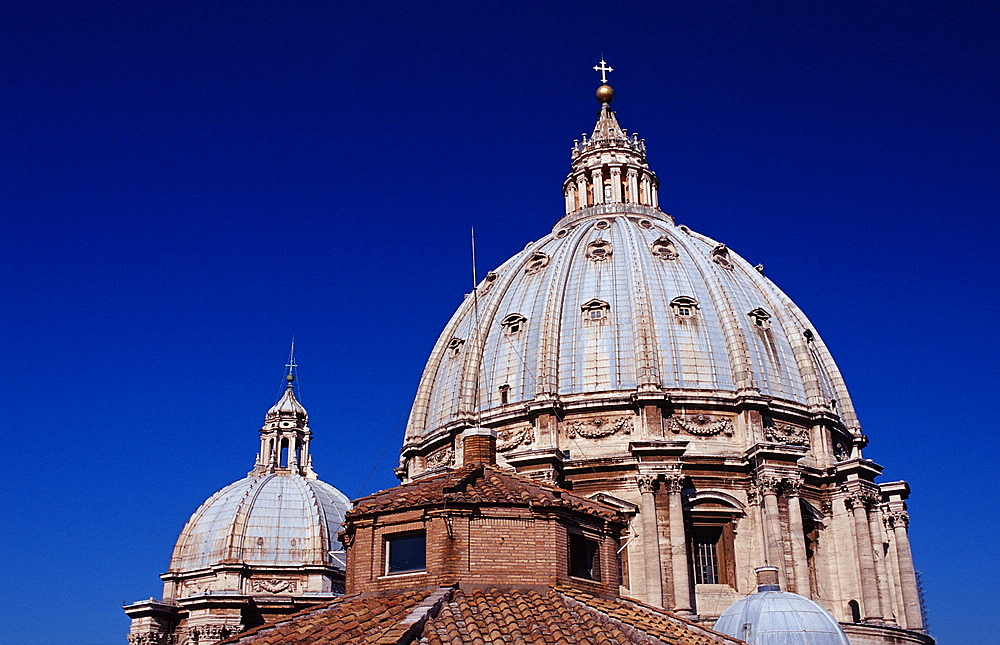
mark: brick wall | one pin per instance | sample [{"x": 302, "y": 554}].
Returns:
[{"x": 480, "y": 546}]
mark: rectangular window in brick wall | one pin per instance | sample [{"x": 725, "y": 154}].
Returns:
[
  {"x": 583, "y": 562},
  {"x": 406, "y": 552}
]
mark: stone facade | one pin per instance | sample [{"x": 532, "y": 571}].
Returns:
[{"x": 626, "y": 357}]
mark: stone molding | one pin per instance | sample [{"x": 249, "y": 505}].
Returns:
[{"x": 787, "y": 434}]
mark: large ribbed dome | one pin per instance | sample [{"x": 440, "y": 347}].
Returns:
[
  {"x": 264, "y": 519},
  {"x": 616, "y": 299}
]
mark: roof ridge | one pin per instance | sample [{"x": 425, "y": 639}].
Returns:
[{"x": 411, "y": 627}]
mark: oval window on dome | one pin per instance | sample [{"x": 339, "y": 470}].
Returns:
[{"x": 602, "y": 224}]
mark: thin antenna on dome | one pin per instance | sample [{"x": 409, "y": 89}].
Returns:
[{"x": 475, "y": 305}]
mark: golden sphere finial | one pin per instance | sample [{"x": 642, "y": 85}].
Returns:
[
  {"x": 289, "y": 377},
  {"x": 605, "y": 94}
]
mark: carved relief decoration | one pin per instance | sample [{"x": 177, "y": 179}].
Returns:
[
  {"x": 701, "y": 425},
  {"x": 600, "y": 427},
  {"x": 212, "y": 633},
  {"x": 787, "y": 434},
  {"x": 152, "y": 639},
  {"x": 273, "y": 585},
  {"x": 510, "y": 438},
  {"x": 441, "y": 457}
]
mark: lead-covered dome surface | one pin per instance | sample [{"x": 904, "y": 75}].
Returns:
[
  {"x": 780, "y": 618},
  {"x": 618, "y": 299},
  {"x": 264, "y": 519}
]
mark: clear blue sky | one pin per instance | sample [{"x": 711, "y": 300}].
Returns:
[{"x": 185, "y": 185}]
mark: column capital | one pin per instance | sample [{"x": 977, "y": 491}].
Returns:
[
  {"x": 673, "y": 482},
  {"x": 894, "y": 519},
  {"x": 646, "y": 482}
]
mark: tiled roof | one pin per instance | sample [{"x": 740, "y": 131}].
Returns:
[
  {"x": 349, "y": 619},
  {"x": 483, "y": 616},
  {"x": 478, "y": 484}
]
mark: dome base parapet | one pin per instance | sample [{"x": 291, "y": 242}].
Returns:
[{"x": 614, "y": 208}]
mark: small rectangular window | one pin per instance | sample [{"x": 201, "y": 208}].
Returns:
[
  {"x": 582, "y": 557},
  {"x": 406, "y": 552},
  {"x": 705, "y": 554}
]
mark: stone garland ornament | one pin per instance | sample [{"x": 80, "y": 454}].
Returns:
[
  {"x": 508, "y": 439},
  {"x": 600, "y": 427},
  {"x": 441, "y": 457},
  {"x": 701, "y": 425},
  {"x": 786, "y": 434},
  {"x": 273, "y": 585}
]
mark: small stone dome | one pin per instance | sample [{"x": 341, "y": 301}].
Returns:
[
  {"x": 780, "y": 618},
  {"x": 264, "y": 519}
]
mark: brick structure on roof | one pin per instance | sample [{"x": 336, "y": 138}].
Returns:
[{"x": 490, "y": 557}]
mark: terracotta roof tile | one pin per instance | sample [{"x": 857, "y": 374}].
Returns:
[
  {"x": 347, "y": 620},
  {"x": 477, "y": 484},
  {"x": 483, "y": 617}
]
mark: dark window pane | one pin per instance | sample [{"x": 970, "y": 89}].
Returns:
[
  {"x": 705, "y": 554},
  {"x": 407, "y": 552},
  {"x": 582, "y": 557}
]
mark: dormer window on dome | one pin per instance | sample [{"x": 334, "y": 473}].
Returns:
[
  {"x": 684, "y": 306},
  {"x": 664, "y": 249},
  {"x": 760, "y": 318},
  {"x": 536, "y": 262},
  {"x": 513, "y": 324},
  {"x": 720, "y": 255},
  {"x": 595, "y": 310},
  {"x": 455, "y": 345},
  {"x": 599, "y": 250}
]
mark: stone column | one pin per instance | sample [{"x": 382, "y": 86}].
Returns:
[
  {"x": 772, "y": 524},
  {"x": 597, "y": 181},
  {"x": 650, "y": 539},
  {"x": 581, "y": 190},
  {"x": 616, "y": 185},
  {"x": 898, "y": 521},
  {"x": 678, "y": 545},
  {"x": 644, "y": 191},
  {"x": 878, "y": 553},
  {"x": 632, "y": 177},
  {"x": 800, "y": 564},
  {"x": 872, "y": 610}
]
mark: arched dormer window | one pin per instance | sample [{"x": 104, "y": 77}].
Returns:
[
  {"x": 664, "y": 249},
  {"x": 712, "y": 522},
  {"x": 684, "y": 306},
  {"x": 595, "y": 310},
  {"x": 513, "y": 324},
  {"x": 760, "y": 318}
]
